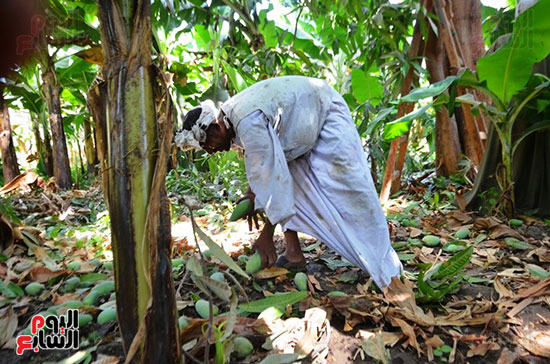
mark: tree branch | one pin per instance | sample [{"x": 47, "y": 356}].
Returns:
[
  {"x": 78, "y": 40},
  {"x": 244, "y": 16}
]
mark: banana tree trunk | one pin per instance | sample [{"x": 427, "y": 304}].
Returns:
[
  {"x": 10, "y": 168},
  {"x": 62, "y": 168},
  {"x": 447, "y": 141},
  {"x": 133, "y": 150},
  {"x": 458, "y": 44},
  {"x": 89, "y": 147},
  {"x": 48, "y": 152},
  {"x": 43, "y": 146}
]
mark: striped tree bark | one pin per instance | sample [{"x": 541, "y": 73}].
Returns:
[
  {"x": 10, "y": 167},
  {"x": 62, "y": 167},
  {"x": 133, "y": 148}
]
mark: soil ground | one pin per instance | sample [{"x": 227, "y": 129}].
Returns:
[{"x": 503, "y": 338}]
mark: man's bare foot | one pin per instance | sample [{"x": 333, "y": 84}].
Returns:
[{"x": 265, "y": 247}]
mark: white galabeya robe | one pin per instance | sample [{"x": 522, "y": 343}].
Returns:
[{"x": 306, "y": 165}]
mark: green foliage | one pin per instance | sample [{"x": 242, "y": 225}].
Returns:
[
  {"x": 217, "y": 54},
  {"x": 496, "y": 23},
  {"x": 502, "y": 116},
  {"x": 432, "y": 90},
  {"x": 508, "y": 69},
  {"x": 215, "y": 50},
  {"x": 366, "y": 87},
  {"x": 218, "y": 177},
  {"x": 279, "y": 300},
  {"x": 218, "y": 252},
  {"x": 434, "y": 282},
  {"x": 6, "y": 209},
  {"x": 400, "y": 126}
]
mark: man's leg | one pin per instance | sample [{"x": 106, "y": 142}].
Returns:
[
  {"x": 264, "y": 245},
  {"x": 336, "y": 201},
  {"x": 293, "y": 252}
]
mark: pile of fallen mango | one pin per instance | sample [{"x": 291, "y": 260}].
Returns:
[{"x": 498, "y": 309}]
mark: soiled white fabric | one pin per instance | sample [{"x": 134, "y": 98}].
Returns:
[
  {"x": 191, "y": 138},
  {"x": 284, "y": 101},
  {"x": 327, "y": 192}
]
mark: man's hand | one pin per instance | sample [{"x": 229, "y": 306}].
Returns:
[{"x": 252, "y": 216}]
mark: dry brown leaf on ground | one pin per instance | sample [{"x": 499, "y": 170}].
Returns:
[
  {"x": 514, "y": 273},
  {"x": 458, "y": 218},
  {"x": 489, "y": 254},
  {"x": 520, "y": 306},
  {"x": 22, "y": 181},
  {"x": 43, "y": 274},
  {"x": 402, "y": 296},
  {"x": 374, "y": 346},
  {"x": 79, "y": 193},
  {"x": 414, "y": 232},
  {"x": 501, "y": 289},
  {"x": 538, "y": 289},
  {"x": 507, "y": 356},
  {"x": 534, "y": 339},
  {"x": 243, "y": 327},
  {"x": 51, "y": 186},
  {"x": 316, "y": 336},
  {"x": 57, "y": 300},
  {"x": 486, "y": 223},
  {"x": 308, "y": 336},
  {"x": 311, "y": 279},
  {"x": 390, "y": 338},
  {"x": 341, "y": 304},
  {"x": 495, "y": 229},
  {"x": 40, "y": 253},
  {"x": 542, "y": 253},
  {"x": 482, "y": 349},
  {"x": 8, "y": 325},
  {"x": 409, "y": 332},
  {"x": 86, "y": 267},
  {"x": 270, "y": 273},
  {"x": 435, "y": 341},
  {"x": 427, "y": 320},
  {"x": 485, "y": 319},
  {"x": 355, "y": 320},
  {"x": 423, "y": 257},
  {"x": 431, "y": 344}
]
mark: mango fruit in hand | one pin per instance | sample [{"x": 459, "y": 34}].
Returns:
[{"x": 242, "y": 209}]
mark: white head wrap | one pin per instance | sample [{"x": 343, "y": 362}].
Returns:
[{"x": 191, "y": 138}]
